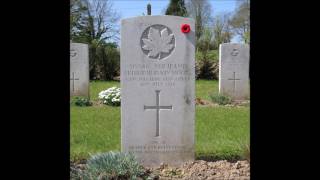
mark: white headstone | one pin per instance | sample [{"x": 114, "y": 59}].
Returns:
[
  {"x": 158, "y": 89},
  {"x": 79, "y": 70},
  {"x": 234, "y": 71}
]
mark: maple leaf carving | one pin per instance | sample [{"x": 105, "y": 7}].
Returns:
[{"x": 157, "y": 42}]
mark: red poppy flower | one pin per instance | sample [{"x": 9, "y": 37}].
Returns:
[{"x": 185, "y": 28}]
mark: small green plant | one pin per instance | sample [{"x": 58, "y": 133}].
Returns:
[
  {"x": 220, "y": 99},
  {"x": 81, "y": 101},
  {"x": 112, "y": 165}
]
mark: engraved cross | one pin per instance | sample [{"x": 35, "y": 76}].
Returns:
[
  {"x": 234, "y": 81},
  {"x": 157, "y": 107},
  {"x": 73, "y": 79}
]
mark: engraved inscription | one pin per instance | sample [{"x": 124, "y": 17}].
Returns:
[
  {"x": 157, "y": 107},
  {"x": 157, "y": 42},
  {"x": 159, "y": 148},
  {"x": 157, "y": 75}
]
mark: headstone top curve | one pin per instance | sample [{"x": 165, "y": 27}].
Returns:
[{"x": 157, "y": 16}]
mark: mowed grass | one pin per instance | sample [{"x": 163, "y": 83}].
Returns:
[
  {"x": 221, "y": 132},
  {"x": 206, "y": 87}
]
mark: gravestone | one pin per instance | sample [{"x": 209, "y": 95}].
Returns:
[
  {"x": 79, "y": 70},
  {"x": 158, "y": 89},
  {"x": 234, "y": 71}
]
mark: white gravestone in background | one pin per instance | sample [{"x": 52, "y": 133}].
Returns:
[
  {"x": 79, "y": 70},
  {"x": 158, "y": 89},
  {"x": 234, "y": 71}
]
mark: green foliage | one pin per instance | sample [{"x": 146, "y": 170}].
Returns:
[
  {"x": 208, "y": 69},
  {"x": 208, "y": 64},
  {"x": 112, "y": 165},
  {"x": 149, "y": 9},
  {"x": 177, "y": 8},
  {"x": 112, "y": 65},
  {"x": 207, "y": 61},
  {"x": 81, "y": 101},
  {"x": 107, "y": 62},
  {"x": 197, "y": 69},
  {"x": 213, "y": 55},
  {"x": 246, "y": 37},
  {"x": 220, "y": 99},
  {"x": 204, "y": 43}
]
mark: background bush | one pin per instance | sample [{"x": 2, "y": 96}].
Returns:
[
  {"x": 105, "y": 61},
  {"x": 207, "y": 63}
]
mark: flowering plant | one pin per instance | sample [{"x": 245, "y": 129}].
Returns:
[{"x": 110, "y": 96}]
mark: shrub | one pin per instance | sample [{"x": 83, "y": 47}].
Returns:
[
  {"x": 112, "y": 165},
  {"x": 220, "y": 99},
  {"x": 104, "y": 61},
  {"x": 81, "y": 101},
  {"x": 197, "y": 69},
  {"x": 207, "y": 63},
  {"x": 111, "y": 96},
  {"x": 208, "y": 69},
  {"x": 111, "y": 62}
]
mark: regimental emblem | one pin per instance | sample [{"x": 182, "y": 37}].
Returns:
[
  {"x": 157, "y": 42},
  {"x": 73, "y": 53}
]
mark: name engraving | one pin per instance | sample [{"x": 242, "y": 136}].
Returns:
[{"x": 167, "y": 74}]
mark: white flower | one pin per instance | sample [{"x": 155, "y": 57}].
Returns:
[{"x": 111, "y": 95}]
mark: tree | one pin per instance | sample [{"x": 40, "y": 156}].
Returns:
[
  {"x": 221, "y": 30},
  {"x": 94, "y": 24},
  {"x": 97, "y": 21},
  {"x": 205, "y": 41},
  {"x": 240, "y": 21},
  {"x": 208, "y": 66},
  {"x": 76, "y": 11},
  {"x": 177, "y": 8},
  {"x": 200, "y": 11}
]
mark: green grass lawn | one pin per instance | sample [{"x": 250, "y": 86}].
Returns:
[
  {"x": 206, "y": 87},
  {"x": 221, "y": 132}
]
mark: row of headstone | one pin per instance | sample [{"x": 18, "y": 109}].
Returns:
[
  {"x": 158, "y": 85},
  {"x": 79, "y": 70},
  {"x": 233, "y": 69}
]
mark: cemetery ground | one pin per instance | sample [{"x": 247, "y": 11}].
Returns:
[{"x": 221, "y": 132}]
